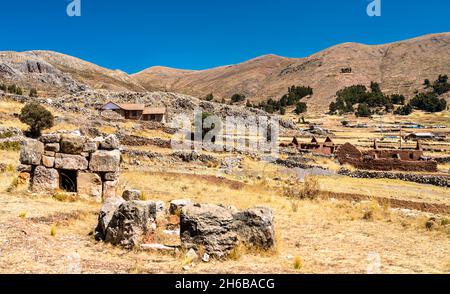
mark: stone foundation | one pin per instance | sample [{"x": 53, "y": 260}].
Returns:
[{"x": 72, "y": 163}]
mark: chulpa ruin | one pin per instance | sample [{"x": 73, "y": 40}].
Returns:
[{"x": 71, "y": 163}]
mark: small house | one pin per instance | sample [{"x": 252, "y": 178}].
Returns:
[{"x": 137, "y": 111}]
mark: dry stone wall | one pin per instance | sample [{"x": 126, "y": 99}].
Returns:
[{"x": 73, "y": 163}]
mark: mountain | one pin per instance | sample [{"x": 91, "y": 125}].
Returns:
[
  {"x": 56, "y": 73},
  {"x": 399, "y": 67}
]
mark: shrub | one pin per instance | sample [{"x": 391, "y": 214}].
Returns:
[
  {"x": 33, "y": 93},
  {"x": 428, "y": 102},
  {"x": 398, "y": 99},
  {"x": 300, "y": 107},
  {"x": 363, "y": 110},
  {"x": 404, "y": 110},
  {"x": 237, "y": 98},
  {"x": 10, "y": 146},
  {"x": 298, "y": 263},
  {"x": 311, "y": 188},
  {"x": 37, "y": 118}
]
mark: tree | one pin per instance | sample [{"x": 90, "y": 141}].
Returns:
[
  {"x": 398, "y": 99},
  {"x": 3, "y": 87},
  {"x": 363, "y": 110},
  {"x": 427, "y": 83},
  {"x": 237, "y": 98},
  {"x": 428, "y": 102},
  {"x": 37, "y": 118},
  {"x": 282, "y": 110},
  {"x": 19, "y": 91},
  {"x": 375, "y": 87},
  {"x": 404, "y": 110},
  {"x": 300, "y": 107},
  {"x": 441, "y": 85},
  {"x": 33, "y": 93}
]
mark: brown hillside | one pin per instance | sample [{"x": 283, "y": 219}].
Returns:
[{"x": 400, "y": 67}]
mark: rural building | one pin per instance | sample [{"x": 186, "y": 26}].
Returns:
[
  {"x": 137, "y": 111},
  {"x": 420, "y": 136},
  {"x": 325, "y": 148}
]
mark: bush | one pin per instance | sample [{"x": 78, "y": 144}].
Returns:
[
  {"x": 398, "y": 99},
  {"x": 33, "y": 93},
  {"x": 363, "y": 110},
  {"x": 300, "y": 107},
  {"x": 428, "y": 102},
  {"x": 237, "y": 98},
  {"x": 404, "y": 110},
  {"x": 37, "y": 118}
]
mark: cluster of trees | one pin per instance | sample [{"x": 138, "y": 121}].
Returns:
[
  {"x": 292, "y": 98},
  {"x": 237, "y": 98},
  {"x": 14, "y": 89},
  {"x": 369, "y": 101},
  {"x": 373, "y": 100}
]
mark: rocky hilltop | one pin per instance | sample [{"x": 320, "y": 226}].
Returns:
[{"x": 399, "y": 67}]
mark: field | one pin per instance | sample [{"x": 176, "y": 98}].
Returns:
[{"x": 330, "y": 233}]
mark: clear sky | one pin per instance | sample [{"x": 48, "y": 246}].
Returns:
[{"x": 196, "y": 34}]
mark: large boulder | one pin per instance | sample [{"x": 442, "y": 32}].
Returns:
[
  {"x": 106, "y": 213},
  {"x": 89, "y": 186},
  {"x": 109, "y": 189},
  {"x": 72, "y": 144},
  {"x": 31, "y": 152},
  {"x": 208, "y": 226},
  {"x": 71, "y": 162},
  {"x": 255, "y": 227},
  {"x": 105, "y": 161},
  {"x": 45, "y": 179},
  {"x": 218, "y": 229},
  {"x": 131, "y": 223}
]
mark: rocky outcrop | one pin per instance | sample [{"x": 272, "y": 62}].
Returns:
[
  {"x": 105, "y": 161},
  {"x": 105, "y": 215}
]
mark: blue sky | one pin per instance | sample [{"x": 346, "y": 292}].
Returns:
[{"x": 196, "y": 34}]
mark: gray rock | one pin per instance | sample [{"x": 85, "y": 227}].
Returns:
[
  {"x": 90, "y": 146},
  {"x": 106, "y": 213},
  {"x": 255, "y": 227},
  {"x": 131, "y": 194},
  {"x": 54, "y": 147},
  {"x": 130, "y": 223},
  {"x": 50, "y": 138},
  {"x": 71, "y": 162},
  {"x": 176, "y": 205},
  {"x": 105, "y": 161},
  {"x": 111, "y": 176},
  {"x": 45, "y": 179},
  {"x": 208, "y": 226},
  {"x": 24, "y": 168},
  {"x": 110, "y": 143},
  {"x": 31, "y": 152},
  {"x": 220, "y": 229},
  {"x": 72, "y": 144}
]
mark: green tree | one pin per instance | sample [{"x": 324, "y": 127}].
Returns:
[
  {"x": 398, "y": 99},
  {"x": 429, "y": 102},
  {"x": 404, "y": 110},
  {"x": 237, "y": 98},
  {"x": 33, "y": 93},
  {"x": 209, "y": 97},
  {"x": 300, "y": 107},
  {"x": 363, "y": 110},
  {"x": 37, "y": 118}
]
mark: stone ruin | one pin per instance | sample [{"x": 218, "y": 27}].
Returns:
[
  {"x": 215, "y": 229},
  {"x": 385, "y": 160},
  {"x": 71, "y": 163}
]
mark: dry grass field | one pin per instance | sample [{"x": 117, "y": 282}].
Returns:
[{"x": 328, "y": 232}]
